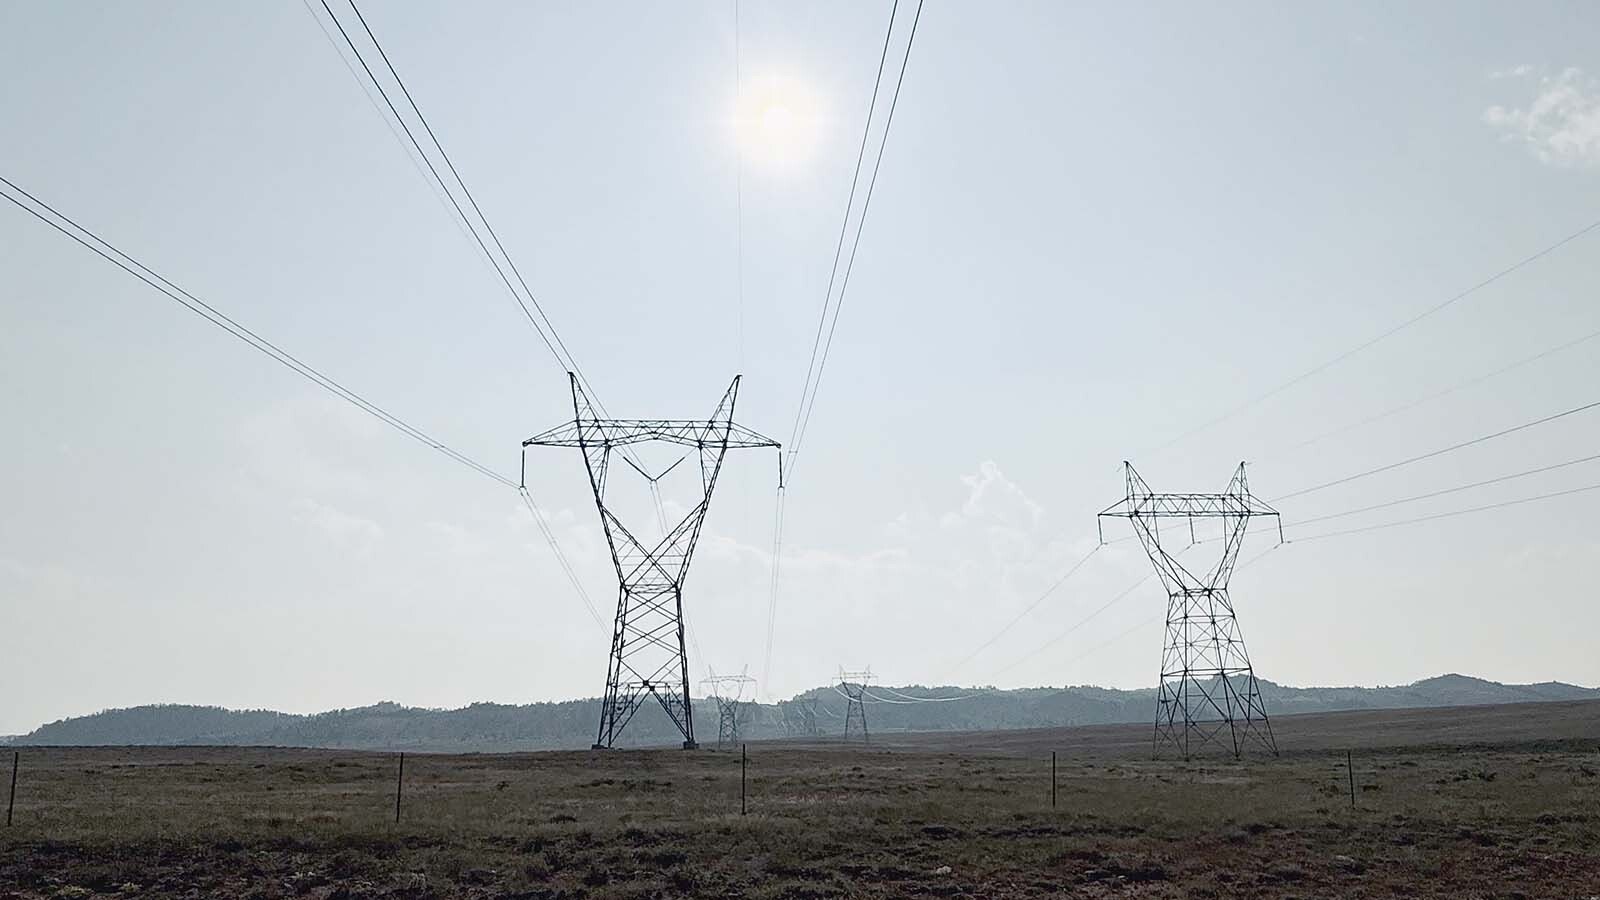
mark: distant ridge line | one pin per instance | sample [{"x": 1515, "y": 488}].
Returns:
[{"x": 494, "y": 727}]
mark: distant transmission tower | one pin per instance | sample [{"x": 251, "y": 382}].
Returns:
[
  {"x": 728, "y": 692},
  {"x": 1207, "y": 684},
  {"x": 647, "y": 651},
  {"x": 854, "y": 686},
  {"x": 800, "y": 717}
]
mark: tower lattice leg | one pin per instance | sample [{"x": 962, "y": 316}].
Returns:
[
  {"x": 647, "y": 660},
  {"x": 1208, "y": 691}
]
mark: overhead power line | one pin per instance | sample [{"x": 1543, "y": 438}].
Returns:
[
  {"x": 1073, "y": 570},
  {"x": 1155, "y": 618},
  {"x": 912, "y": 701},
  {"x": 1380, "y": 337},
  {"x": 1075, "y": 626},
  {"x": 1451, "y": 514},
  {"x": 565, "y": 356},
  {"x": 388, "y": 121},
  {"x": 550, "y": 341},
  {"x": 566, "y": 566},
  {"x": 509, "y": 275},
  {"x": 91, "y": 241},
  {"x": 1118, "y": 598},
  {"x": 1440, "y": 452},
  {"x": 1450, "y": 490},
  {"x": 844, "y": 227},
  {"x": 110, "y": 253},
  {"x": 815, "y": 384},
  {"x": 738, "y": 184},
  {"x": 526, "y": 301},
  {"x": 1114, "y": 638},
  {"x": 817, "y": 362},
  {"x": 772, "y": 583},
  {"x": 1458, "y": 386}
]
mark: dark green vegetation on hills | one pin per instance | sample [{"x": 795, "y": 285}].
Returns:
[
  {"x": 570, "y": 725},
  {"x": 1498, "y": 801}
]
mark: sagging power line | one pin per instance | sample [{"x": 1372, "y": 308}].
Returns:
[
  {"x": 820, "y": 348},
  {"x": 1389, "y": 467},
  {"x": 91, "y": 241},
  {"x": 110, "y": 253},
  {"x": 1378, "y": 338},
  {"x": 1073, "y": 570},
  {"x": 819, "y": 362},
  {"x": 1500, "y": 479},
  {"x": 505, "y": 268},
  {"x": 1436, "y": 395},
  {"x": 1451, "y": 513},
  {"x": 499, "y": 259}
]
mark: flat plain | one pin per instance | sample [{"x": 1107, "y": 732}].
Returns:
[{"x": 1473, "y": 802}]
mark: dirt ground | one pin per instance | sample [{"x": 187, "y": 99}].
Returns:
[{"x": 1459, "y": 803}]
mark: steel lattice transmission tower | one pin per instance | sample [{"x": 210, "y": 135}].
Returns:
[
  {"x": 854, "y": 686},
  {"x": 648, "y": 657},
  {"x": 800, "y": 717},
  {"x": 1207, "y": 685},
  {"x": 728, "y": 693}
]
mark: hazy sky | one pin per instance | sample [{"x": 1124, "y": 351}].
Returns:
[{"x": 1097, "y": 226}]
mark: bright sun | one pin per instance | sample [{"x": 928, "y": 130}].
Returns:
[
  {"x": 777, "y": 124},
  {"x": 777, "y": 121}
]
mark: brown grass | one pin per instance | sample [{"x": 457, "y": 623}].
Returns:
[{"x": 1445, "y": 809}]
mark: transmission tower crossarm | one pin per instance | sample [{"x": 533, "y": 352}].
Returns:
[
  {"x": 563, "y": 435},
  {"x": 621, "y": 432},
  {"x": 1180, "y": 506}
]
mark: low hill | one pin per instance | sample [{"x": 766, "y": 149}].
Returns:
[{"x": 570, "y": 724}]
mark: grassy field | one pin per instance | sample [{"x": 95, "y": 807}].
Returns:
[{"x": 1460, "y": 803}]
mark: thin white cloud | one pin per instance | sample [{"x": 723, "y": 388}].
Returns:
[
  {"x": 995, "y": 498},
  {"x": 1561, "y": 125},
  {"x": 1521, "y": 71},
  {"x": 338, "y": 526}
]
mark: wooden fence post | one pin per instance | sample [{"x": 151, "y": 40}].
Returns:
[
  {"x": 399, "y": 782},
  {"x": 1350, "y": 767},
  {"x": 12, "y": 803}
]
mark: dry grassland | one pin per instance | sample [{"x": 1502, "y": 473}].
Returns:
[{"x": 1461, "y": 803}]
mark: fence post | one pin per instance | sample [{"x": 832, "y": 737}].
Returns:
[
  {"x": 1351, "y": 768},
  {"x": 399, "y": 782},
  {"x": 743, "y": 766},
  {"x": 1052, "y": 779},
  {"x": 12, "y": 803}
]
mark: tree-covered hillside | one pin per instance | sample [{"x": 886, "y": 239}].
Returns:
[{"x": 571, "y": 724}]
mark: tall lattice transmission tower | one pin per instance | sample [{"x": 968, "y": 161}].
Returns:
[
  {"x": 854, "y": 687},
  {"x": 727, "y": 691},
  {"x": 648, "y": 657},
  {"x": 1208, "y": 692}
]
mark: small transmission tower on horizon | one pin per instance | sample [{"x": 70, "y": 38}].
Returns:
[
  {"x": 727, "y": 691},
  {"x": 800, "y": 716},
  {"x": 1207, "y": 684},
  {"x": 648, "y": 657},
  {"x": 854, "y": 687}
]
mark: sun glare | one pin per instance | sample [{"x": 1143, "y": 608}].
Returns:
[{"x": 777, "y": 124}]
